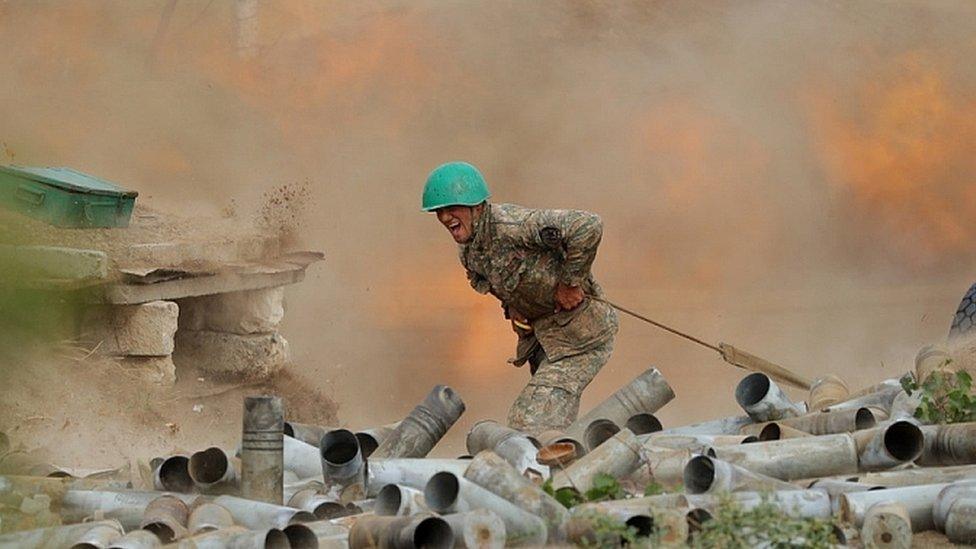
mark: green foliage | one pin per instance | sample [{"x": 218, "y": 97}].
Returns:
[
  {"x": 734, "y": 527},
  {"x": 605, "y": 487},
  {"x": 946, "y": 397},
  {"x": 653, "y": 489},
  {"x": 567, "y": 497}
]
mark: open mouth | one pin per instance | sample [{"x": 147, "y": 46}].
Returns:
[{"x": 454, "y": 227}]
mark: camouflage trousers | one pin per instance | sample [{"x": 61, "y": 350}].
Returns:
[{"x": 551, "y": 399}]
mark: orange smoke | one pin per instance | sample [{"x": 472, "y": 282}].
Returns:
[{"x": 902, "y": 152}]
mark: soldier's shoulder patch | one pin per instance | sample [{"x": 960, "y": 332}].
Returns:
[{"x": 551, "y": 237}]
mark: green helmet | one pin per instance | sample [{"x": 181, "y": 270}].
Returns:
[{"x": 454, "y": 184}]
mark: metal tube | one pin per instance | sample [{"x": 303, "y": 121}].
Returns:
[
  {"x": 496, "y": 475},
  {"x": 620, "y": 456},
  {"x": 881, "y": 398},
  {"x": 646, "y": 393},
  {"x": 98, "y": 537},
  {"x": 887, "y": 524},
  {"x": 412, "y": 472},
  {"x": 424, "y": 426},
  {"x": 598, "y": 432},
  {"x": 643, "y": 424},
  {"x": 320, "y": 505},
  {"x": 237, "y": 537},
  {"x": 306, "y": 432},
  {"x": 912, "y": 477},
  {"x": 775, "y": 431},
  {"x": 835, "y": 487},
  {"x": 207, "y": 517},
  {"x": 258, "y": 515},
  {"x": 588, "y": 530},
  {"x": 447, "y": 493},
  {"x": 127, "y": 507},
  {"x": 725, "y": 426},
  {"x": 795, "y": 503},
  {"x": 300, "y": 537},
  {"x": 663, "y": 466},
  {"x": 262, "y": 459},
  {"x": 55, "y": 536},
  {"x": 329, "y": 534},
  {"x": 829, "y": 423},
  {"x": 478, "y": 529},
  {"x": 370, "y": 439},
  {"x": 949, "y": 444},
  {"x": 212, "y": 470},
  {"x": 173, "y": 475},
  {"x": 918, "y": 501},
  {"x": 302, "y": 458},
  {"x": 945, "y": 499},
  {"x": 706, "y": 475},
  {"x": 763, "y": 400},
  {"x": 395, "y": 500},
  {"x": 697, "y": 443},
  {"x": 960, "y": 525},
  {"x": 424, "y": 530},
  {"x": 516, "y": 447},
  {"x": 795, "y": 458},
  {"x": 166, "y": 517},
  {"x": 137, "y": 539},
  {"x": 343, "y": 467},
  {"x": 553, "y": 444},
  {"x": 825, "y": 391},
  {"x": 886, "y": 447}
]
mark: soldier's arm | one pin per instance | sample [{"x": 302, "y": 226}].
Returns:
[
  {"x": 575, "y": 234},
  {"x": 478, "y": 282}
]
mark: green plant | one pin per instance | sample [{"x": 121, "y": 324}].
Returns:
[
  {"x": 732, "y": 527},
  {"x": 653, "y": 489},
  {"x": 946, "y": 397}
]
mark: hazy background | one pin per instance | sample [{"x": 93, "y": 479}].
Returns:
[{"x": 792, "y": 177}]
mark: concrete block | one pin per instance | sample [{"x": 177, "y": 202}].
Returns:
[
  {"x": 247, "y": 312},
  {"x": 133, "y": 330},
  {"x": 152, "y": 369},
  {"x": 253, "y": 355}
]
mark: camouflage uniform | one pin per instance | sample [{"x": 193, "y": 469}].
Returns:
[{"x": 519, "y": 255}]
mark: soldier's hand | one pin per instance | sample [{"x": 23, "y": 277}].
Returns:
[{"x": 567, "y": 297}]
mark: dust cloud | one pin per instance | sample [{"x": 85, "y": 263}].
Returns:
[{"x": 791, "y": 177}]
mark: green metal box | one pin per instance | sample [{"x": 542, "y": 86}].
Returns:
[{"x": 64, "y": 197}]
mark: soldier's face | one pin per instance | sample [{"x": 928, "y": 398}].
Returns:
[{"x": 459, "y": 221}]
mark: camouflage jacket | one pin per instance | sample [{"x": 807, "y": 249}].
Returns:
[{"x": 519, "y": 255}]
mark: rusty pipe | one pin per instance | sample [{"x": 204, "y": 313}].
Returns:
[
  {"x": 423, "y": 530},
  {"x": 643, "y": 424},
  {"x": 300, "y": 536},
  {"x": 237, "y": 537},
  {"x": 320, "y": 505},
  {"x": 707, "y": 475},
  {"x": 424, "y": 426},
  {"x": 517, "y": 448},
  {"x": 306, "y": 432},
  {"x": 173, "y": 475},
  {"x": 888, "y": 446},
  {"x": 645, "y": 394},
  {"x": 946, "y": 497},
  {"x": 478, "y": 529},
  {"x": 918, "y": 501},
  {"x": 370, "y": 439},
  {"x": 496, "y": 475},
  {"x": 795, "y": 458},
  {"x": 212, "y": 470},
  {"x": 827, "y": 390},
  {"x": 301, "y": 458},
  {"x": 960, "y": 525},
  {"x": 447, "y": 493},
  {"x": 98, "y": 537},
  {"x": 343, "y": 467},
  {"x": 725, "y": 426},
  {"x": 166, "y": 517},
  {"x": 887, "y": 525},
  {"x": 125, "y": 506},
  {"x": 620, "y": 456},
  {"x": 262, "y": 455},
  {"x": 137, "y": 539},
  {"x": 953, "y": 444},
  {"x": 258, "y": 515},
  {"x": 828, "y": 423},
  {"x": 207, "y": 517},
  {"x": 396, "y": 500},
  {"x": 412, "y": 472},
  {"x": 763, "y": 400},
  {"x": 775, "y": 431}
]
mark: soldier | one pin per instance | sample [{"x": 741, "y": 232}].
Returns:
[{"x": 537, "y": 263}]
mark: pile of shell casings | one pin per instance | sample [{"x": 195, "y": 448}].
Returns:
[{"x": 859, "y": 459}]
